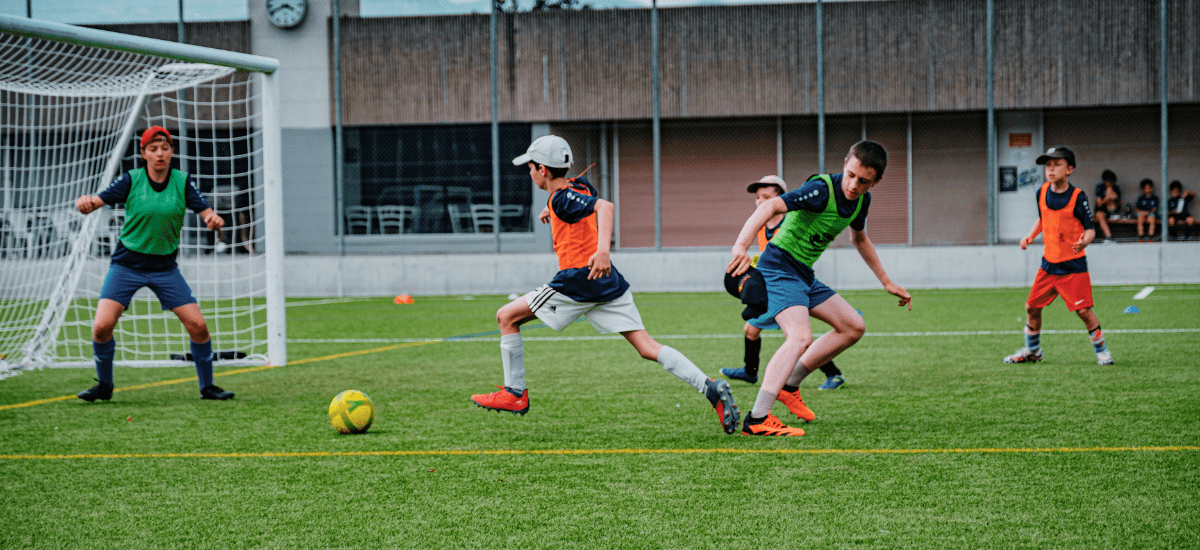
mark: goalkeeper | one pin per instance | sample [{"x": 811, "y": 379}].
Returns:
[
  {"x": 156, "y": 199},
  {"x": 752, "y": 291}
]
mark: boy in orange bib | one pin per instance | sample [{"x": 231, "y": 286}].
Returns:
[{"x": 1065, "y": 220}]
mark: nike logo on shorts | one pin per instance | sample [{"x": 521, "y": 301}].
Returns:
[{"x": 1077, "y": 302}]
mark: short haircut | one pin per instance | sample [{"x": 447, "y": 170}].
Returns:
[
  {"x": 870, "y": 155},
  {"x": 1175, "y": 186},
  {"x": 1146, "y": 182},
  {"x": 554, "y": 172},
  {"x": 1108, "y": 175},
  {"x": 778, "y": 190}
]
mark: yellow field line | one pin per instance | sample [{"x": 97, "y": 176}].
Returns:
[
  {"x": 226, "y": 373},
  {"x": 560, "y": 452}
]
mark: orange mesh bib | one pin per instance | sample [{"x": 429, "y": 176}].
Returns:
[{"x": 1060, "y": 228}]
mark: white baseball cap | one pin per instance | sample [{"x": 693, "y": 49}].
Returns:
[
  {"x": 765, "y": 181},
  {"x": 551, "y": 151}
]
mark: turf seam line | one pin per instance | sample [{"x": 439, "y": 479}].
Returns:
[
  {"x": 227, "y": 373},
  {"x": 773, "y": 334},
  {"x": 567, "y": 452}
]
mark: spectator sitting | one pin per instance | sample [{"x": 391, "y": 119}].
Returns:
[
  {"x": 1178, "y": 202},
  {"x": 1108, "y": 202},
  {"x": 1146, "y": 210}
]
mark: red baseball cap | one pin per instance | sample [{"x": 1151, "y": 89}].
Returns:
[{"x": 152, "y": 131}]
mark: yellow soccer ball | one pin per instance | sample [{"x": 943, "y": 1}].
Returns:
[{"x": 351, "y": 412}]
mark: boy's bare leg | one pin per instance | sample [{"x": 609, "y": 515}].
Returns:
[
  {"x": 797, "y": 331},
  {"x": 848, "y": 329}
]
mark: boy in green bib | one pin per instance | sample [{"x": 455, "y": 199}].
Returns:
[
  {"x": 156, "y": 199},
  {"x": 824, "y": 206}
]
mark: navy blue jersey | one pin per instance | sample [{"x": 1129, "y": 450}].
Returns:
[
  {"x": 573, "y": 228},
  {"x": 117, "y": 192},
  {"x": 1147, "y": 203},
  {"x": 813, "y": 196},
  {"x": 1083, "y": 213},
  {"x": 1101, "y": 191},
  {"x": 1173, "y": 205}
]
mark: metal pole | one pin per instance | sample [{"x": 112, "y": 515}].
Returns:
[
  {"x": 338, "y": 176},
  {"x": 779, "y": 146},
  {"x": 820, "y": 89},
  {"x": 495, "y": 125},
  {"x": 656, "y": 114},
  {"x": 909, "y": 169},
  {"x": 991, "y": 119},
  {"x": 1162, "y": 125}
]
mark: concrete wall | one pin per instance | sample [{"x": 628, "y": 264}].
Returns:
[{"x": 701, "y": 269}]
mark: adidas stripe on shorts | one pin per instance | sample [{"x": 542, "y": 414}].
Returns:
[{"x": 558, "y": 311}]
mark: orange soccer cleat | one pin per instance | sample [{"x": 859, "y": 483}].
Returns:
[
  {"x": 770, "y": 426},
  {"x": 503, "y": 400},
  {"x": 796, "y": 406}
]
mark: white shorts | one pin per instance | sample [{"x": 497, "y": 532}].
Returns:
[{"x": 558, "y": 311}]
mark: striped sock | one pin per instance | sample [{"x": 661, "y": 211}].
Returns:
[
  {"x": 1033, "y": 338},
  {"x": 1097, "y": 337}
]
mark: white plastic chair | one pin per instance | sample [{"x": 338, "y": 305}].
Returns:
[
  {"x": 20, "y": 233},
  {"x": 358, "y": 217},
  {"x": 393, "y": 217},
  {"x": 515, "y": 213},
  {"x": 458, "y": 215},
  {"x": 483, "y": 215}
]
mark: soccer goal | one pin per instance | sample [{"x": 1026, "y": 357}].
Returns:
[{"x": 72, "y": 104}]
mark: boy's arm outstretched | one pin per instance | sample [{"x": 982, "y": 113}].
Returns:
[
  {"x": 867, "y": 250},
  {"x": 741, "y": 262},
  {"x": 600, "y": 263}
]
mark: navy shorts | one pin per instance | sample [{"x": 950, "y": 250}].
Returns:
[
  {"x": 122, "y": 282},
  {"x": 789, "y": 283}
]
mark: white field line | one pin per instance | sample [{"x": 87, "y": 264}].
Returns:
[
  {"x": 772, "y": 334},
  {"x": 1143, "y": 293},
  {"x": 329, "y": 301}
]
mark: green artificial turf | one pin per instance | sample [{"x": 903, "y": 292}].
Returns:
[{"x": 593, "y": 463}]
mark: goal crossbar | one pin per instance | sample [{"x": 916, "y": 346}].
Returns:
[{"x": 51, "y": 111}]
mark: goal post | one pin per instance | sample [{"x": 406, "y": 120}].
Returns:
[{"x": 72, "y": 104}]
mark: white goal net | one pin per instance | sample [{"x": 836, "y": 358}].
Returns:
[{"x": 72, "y": 105}]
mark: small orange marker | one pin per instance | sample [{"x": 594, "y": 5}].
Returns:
[{"x": 403, "y": 299}]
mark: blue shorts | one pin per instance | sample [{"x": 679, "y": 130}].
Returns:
[
  {"x": 122, "y": 282},
  {"x": 789, "y": 283}
]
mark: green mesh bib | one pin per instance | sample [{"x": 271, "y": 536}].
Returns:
[
  {"x": 805, "y": 235},
  {"x": 153, "y": 219}
]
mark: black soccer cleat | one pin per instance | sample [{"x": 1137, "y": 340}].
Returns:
[
  {"x": 213, "y": 392},
  {"x": 99, "y": 391}
]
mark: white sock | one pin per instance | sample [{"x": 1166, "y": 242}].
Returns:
[
  {"x": 675, "y": 363},
  {"x": 512, "y": 353},
  {"x": 763, "y": 403},
  {"x": 798, "y": 374}
]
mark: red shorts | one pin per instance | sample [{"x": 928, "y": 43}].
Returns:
[{"x": 1075, "y": 288}]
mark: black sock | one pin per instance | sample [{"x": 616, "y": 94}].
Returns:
[
  {"x": 791, "y": 389},
  {"x": 753, "y": 347},
  {"x": 831, "y": 369}
]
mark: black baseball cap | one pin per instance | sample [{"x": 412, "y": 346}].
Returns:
[{"x": 1058, "y": 152}]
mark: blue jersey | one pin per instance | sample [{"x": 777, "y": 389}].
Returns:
[
  {"x": 1147, "y": 203},
  {"x": 117, "y": 192},
  {"x": 813, "y": 196},
  {"x": 1083, "y": 213},
  {"x": 573, "y": 227}
]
